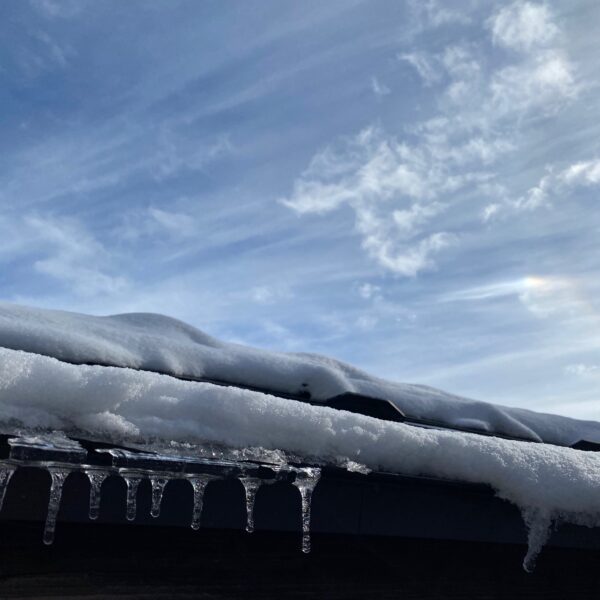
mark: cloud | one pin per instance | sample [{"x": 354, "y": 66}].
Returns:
[
  {"x": 379, "y": 309},
  {"x": 269, "y": 294},
  {"x": 64, "y": 9},
  {"x": 73, "y": 257},
  {"x": 156, "y": 223},
  {"x": 523, "y": 26},
  {"x": 553, "y": 296},
  {"x": 434, "y": 14},
  {"x": 176, "y": 151},
  {"x": 553, "y": 184},
  {"x": 391, "y": 188},
  {"x": 175, "y": 223},
  {"x": 379, "y": 89},
  {"x": 581, "y": 369},
  {"x": 424, "y": 65},
  {"x": 403, "y": 189},
  {"x": 545, "y": 81},
  {"x": 543, "y": 296},
  {"x": 368, "y": 290}
]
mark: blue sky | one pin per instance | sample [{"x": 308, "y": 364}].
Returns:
[{"x": 408, "y": 186}]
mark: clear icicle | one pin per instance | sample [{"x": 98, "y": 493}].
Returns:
[
  {"x": 58, "y": 477},
  {"x": 251, "y": 485},
  {"x": 539, "y": 528},
  {"x": 306, "y": 481},
  {"x": 158, "y": 488},
  {"x": 5, "y": 474},
  {"x": 198, "y": 484},
  {"x": 96, "y": 478},
  {"x": 132, "y": 486}
]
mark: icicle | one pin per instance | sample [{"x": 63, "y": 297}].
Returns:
[
  {"x": 539, "y": 528},
  {"x": 58, "y": 478},
  {"x": 306, "y": 482},
  {"x": 6, "y": 473},
  {"x": 96, "y": 478},
  {"x": 132, "y": 481},
  {"x": 158, "y": 487},
  {"x": 251, "y": 485},
  {"x": 198, "y": 483}
]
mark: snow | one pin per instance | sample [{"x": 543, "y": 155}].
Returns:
[
  {"x": 124, "y": 404},
  {"x": 159, "y": 343},
  {"x": 548, "y": 483}
]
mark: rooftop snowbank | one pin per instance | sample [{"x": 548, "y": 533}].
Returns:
[
  {"x": 156, "y": 342},
  {"x": 546, "y": 482}
]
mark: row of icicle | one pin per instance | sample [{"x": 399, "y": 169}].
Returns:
[{"x": 305, "y": 484}]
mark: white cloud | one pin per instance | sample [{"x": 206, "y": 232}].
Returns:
[
  {"x": 460, "y": 62},
  {"x": 156, "y": 223},
  {"x": 487, "y": 292},
  {"x": 269, "y": 294},
  {"x": 545, "y": 82},
  {"x": 368, "y": 290},
  {"x": 176, "y": 151},
  {"x": 554, "y": 184},
  {"x": 57, "y": 53},
  {"x": 582, "y": 369},
  {"x": 560, "y": 297},
  {"x": 391, "y": 188},
  {"x": 425, "y": 66},
  {"x": 379, "y": 89},
  {"x": 433, "y": 13},
  {"x": 523, "y": 26},
  {"x": 73, "y": 256},
  {"x": 581, "y": 173},
  {"x": 403, "y": 190},
  {"x": 176, "y": 223},
  {"x": 553, "y": 296},
  {"x": 59, "y": 8}
]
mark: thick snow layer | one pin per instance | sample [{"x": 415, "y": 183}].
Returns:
[
  {"x": 156, "y": 342},
  {"x": 547, "y": 482}
]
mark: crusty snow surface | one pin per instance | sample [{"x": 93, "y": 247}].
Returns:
[{"x": 546, "y": 482}]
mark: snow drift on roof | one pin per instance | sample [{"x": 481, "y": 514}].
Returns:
[
  {"x": 159, "y": 343},
  {"x": 547, "y": 482}
]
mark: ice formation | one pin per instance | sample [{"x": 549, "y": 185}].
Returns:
[
  {"x": 306, "y": 484},
  {"x": 6, "y": 474},
  {"x": 158, "y": 484},
  {"x": 58, "y": 477},
  {"x": 40, "y": 388},
  {"x": 96, "y": 477},
  {"x": 198, "y": 483}
]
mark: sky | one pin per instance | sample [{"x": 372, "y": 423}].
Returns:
[{"x": 411, "y": 186}]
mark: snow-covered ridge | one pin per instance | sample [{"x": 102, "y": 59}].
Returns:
[
  {"x": 159, "y": 343},
  {"x": 548, "y": 483}
]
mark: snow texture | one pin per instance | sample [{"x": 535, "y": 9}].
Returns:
[
  {"x": 548, "y": 483},
  {"x": 158, "y": 343},
  {"x": 123, "y": 404}
]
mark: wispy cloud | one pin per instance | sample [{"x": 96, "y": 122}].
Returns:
[
  {"x": 379, "y": 88},
  {"x": 424, "y": 65},
  {"x": 391, "y": 188},
  {"x": 401, "y": 192},
  {"x": 562, "y": 297},
  {"x": 555, "y": 184},
  {"x": 59, "y": 8},
  {"x": 523, "y": 26},
  {"x": 582, "y": 369},
  {"x": 73, "y": 257}
]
